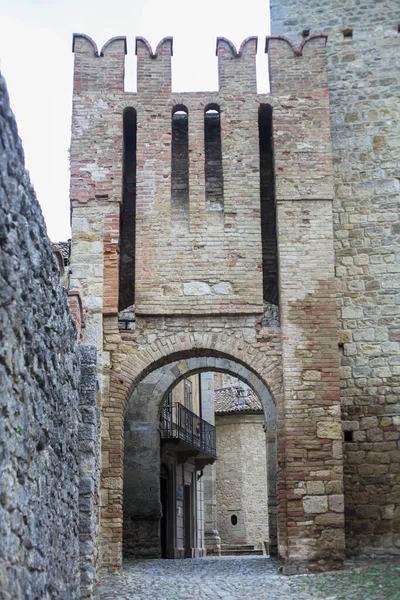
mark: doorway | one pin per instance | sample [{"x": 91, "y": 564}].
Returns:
[
  {"x": 164, "y": 489},
  {"x": 188, "y": 520}
]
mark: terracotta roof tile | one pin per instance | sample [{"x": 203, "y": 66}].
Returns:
[
  {"x": 227, "y": 400},
  {"x": 64, "y": 248}
]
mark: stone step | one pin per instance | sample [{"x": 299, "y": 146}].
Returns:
[
  {"x": 240, "y": 550},
  {"x": 237, "y": 546}
]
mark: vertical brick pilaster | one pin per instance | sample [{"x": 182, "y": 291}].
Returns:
[
  {"x": 196, "y": 171},
  {"x": 311, "y": 520},
  {"x": 311, "y": 446},
  {"x": 111, "y": 263}
]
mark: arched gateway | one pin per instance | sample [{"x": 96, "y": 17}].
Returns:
[
  {"x": 141, "y": 504},
  {"x": 134, "y": 423},
  {"x": 187, "y": 227}
]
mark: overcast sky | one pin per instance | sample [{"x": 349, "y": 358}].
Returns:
[{"x": 37, "y": 62}]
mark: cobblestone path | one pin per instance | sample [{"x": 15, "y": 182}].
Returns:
[{"x": 246, "y": 578}]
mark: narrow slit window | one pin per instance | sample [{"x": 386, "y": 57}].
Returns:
[
  {"x": 128, "y": 213},
  {"x": 213, "y": 159},
  {"x": 268, "y": 211},
  {"x": 180, "y": 166}
]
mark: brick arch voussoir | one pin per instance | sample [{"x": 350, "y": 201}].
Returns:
[
  {"x": 169, "y": 375},
  {"x": 139, "y": 363}
]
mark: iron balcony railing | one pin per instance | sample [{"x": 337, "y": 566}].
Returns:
[{"x": 178, "y": 422}]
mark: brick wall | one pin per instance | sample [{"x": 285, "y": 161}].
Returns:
[{"x": 199, "y": 286}]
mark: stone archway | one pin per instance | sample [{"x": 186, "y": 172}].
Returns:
[
  {"x": 142, "y": 510},
  {"x": 258, "y": 366}
]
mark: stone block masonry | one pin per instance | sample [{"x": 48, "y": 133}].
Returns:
[
  {"x": 363, "y": 46},
  {"x": 89, "y": 470},
  {"x": 44, "y": 437}
]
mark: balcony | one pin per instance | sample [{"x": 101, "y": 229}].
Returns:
[{"x": 191, "y": 436}]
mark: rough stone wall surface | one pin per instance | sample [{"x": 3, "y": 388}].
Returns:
[
  {"x": 89, "y": 470},
  {"x": 362, "y": 65},
  {"x": 241, "y": 479},
  {"x": 39, "y": 378}
]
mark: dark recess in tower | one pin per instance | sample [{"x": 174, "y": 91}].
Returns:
[
  {"x": 268, "y": 210},
  {"x": 128, "y": 213}
]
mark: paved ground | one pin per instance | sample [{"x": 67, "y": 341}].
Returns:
[{"x": 247, "y": 578}]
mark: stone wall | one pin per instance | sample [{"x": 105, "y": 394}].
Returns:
[
  {"x": 89, "y": 470},
  {"x": 42, "y": 427},
  {"x": 39, "y": 369},
  {"x": 363, "y": 78},
  {"x": 241, "y": 479}
]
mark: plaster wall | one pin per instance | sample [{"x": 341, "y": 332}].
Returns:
[{"x": 241, "y": 480}]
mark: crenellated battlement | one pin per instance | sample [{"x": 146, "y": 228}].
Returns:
[
  {"x": 164, "y": 47},
  {"x": 84, "y": 41},
  {"x": 296, "y": 69},
  {"x": 297, "y": 50},
  {"x": 154, "y": 68},
  {"x": 235, "y": 67},
  {"x": 104, "y": 69},
  {"x": 94, "y": 70}
]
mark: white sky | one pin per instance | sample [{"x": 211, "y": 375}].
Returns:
[{"x": 37, "y": 62}]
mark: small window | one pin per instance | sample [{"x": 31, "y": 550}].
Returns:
[
  {"x": 234, "y": 519},
  {"x": 188, "y": 394},
  {"x": 164, "y": 471},
  {"x": 348, "y": 436},
  {"x": 348, "y": 32}
]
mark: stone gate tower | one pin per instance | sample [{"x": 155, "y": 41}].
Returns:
[{"x": 181, "y": 205}]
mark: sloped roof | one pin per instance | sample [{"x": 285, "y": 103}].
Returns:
[
  {"x": 64, "y": 248},
  {"x": 227, "y": 400}
]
